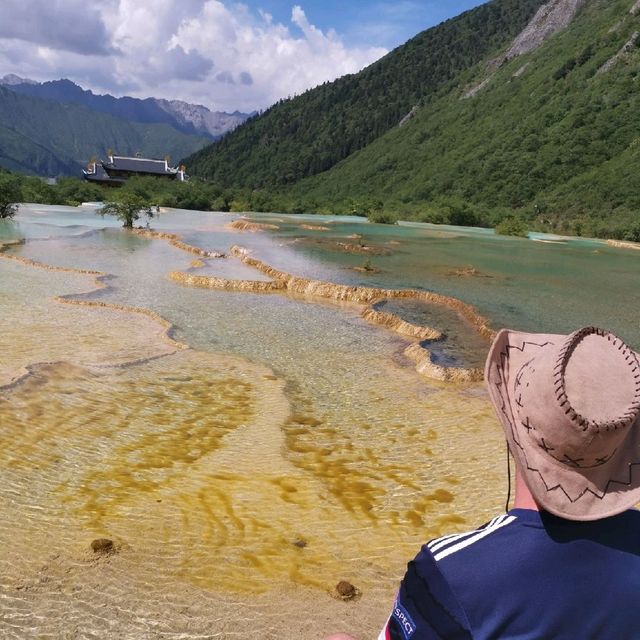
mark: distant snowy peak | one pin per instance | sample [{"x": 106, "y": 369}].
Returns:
[
  {"x": 187, "y": 118},
  {"x": 214, "y": 123},
  {"x": 12, "y": 79}
]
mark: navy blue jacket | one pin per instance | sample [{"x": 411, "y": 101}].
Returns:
[{"x": 527, "y": 576}]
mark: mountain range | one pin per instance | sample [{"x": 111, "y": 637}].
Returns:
[
  {"x": 518, "y": 106},
  {"x": 55, "y": 128}
]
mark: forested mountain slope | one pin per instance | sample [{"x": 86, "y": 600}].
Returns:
[
  {"x": 553, "y": 135},
  {"x": 309, "y": 134},
  {"x": 48, "y": 138}
]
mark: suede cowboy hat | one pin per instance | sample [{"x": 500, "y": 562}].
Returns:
[{"x": 569, "y": 407}]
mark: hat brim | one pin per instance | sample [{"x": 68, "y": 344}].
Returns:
[{"x": 572, "y": 493}]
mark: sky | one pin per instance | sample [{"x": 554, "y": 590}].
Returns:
[{"x": 225, "y": 55}]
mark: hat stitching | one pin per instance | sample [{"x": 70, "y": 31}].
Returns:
[
  {"x": 559, "y": 379},
  {"x": 549, "y": 489},
  {"x": 545, "y": 447},
  {"x": 566, "y": 459},
  {"x": 500, "y": 383},
  {"x": 527, "y": 425},
  {"x": 606, "y": 459},
  {"x": 587, "y": 489},
  {"x": 627, "y": 483},
  {"x": 571, "y": 462},
  {"x": 503, "y": 404}
]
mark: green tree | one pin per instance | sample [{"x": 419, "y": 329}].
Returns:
[
  {"x": 127, "y": 207},
  {"x": 74, "y": 191},
  {"x": 512, "y": 226},
  {"x": 10, "y": 194},
  {"x": 632, "y": 234},
  {"x": 219, "y": 204},
  {"x": 382, "y": 217}
]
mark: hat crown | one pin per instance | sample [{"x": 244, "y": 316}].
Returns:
[
  {"x": 597, "y": 380},
  {"x": 577, "y": 398}
]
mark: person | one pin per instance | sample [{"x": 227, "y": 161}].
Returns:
[{"x": 564, "y": 562}]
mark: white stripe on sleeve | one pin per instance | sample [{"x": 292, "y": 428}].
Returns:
[
  {"x": 501, "y": 522},
  {"x": 434, "y": 545}
]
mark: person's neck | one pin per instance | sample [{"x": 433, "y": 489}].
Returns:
[{"x": 523, "y": 498}]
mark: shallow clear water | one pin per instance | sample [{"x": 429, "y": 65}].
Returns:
[
  {"x": 291, "y": 446},
  {"x": 461, "y": 346},
  {"x": 516, "y": 283}
]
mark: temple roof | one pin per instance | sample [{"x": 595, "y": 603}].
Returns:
[
  {"x": 98, "y": 174},
  {"x": 138, "y": 165},
  {"x": 117, "y": 169}
]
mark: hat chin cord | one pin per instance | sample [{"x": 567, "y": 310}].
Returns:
[{"x": 506, "y": 506}]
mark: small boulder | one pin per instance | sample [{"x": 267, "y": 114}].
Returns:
[
  {"x": 346, "y": 591},
  {"x": 103, "y": 546}
]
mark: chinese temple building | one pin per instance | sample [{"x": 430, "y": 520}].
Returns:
[{"x": 118, "y": 169}]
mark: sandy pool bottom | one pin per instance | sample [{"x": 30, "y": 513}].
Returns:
[{"x": 231, "y": 515}]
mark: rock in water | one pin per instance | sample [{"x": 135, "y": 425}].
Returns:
[
  {"x": 346, "y": 591},
  {"x": 103, "y": 546}
]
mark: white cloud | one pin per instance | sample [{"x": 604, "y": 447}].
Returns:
[
  {"x": 52, "y": 23},
  {"x": 204, "y": 51}
]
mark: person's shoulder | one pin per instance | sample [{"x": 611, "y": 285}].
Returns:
[
  {"x": 470, "y": 541},
  {"x": 426, "y": 608},
  {"x": 428, "y": 601}
]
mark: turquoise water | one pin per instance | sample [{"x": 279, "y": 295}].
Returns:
[
  {"x": 288, "y": 420},
  {"x": 519, "y": 283},
  {"x": 516, "y": 283}
]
